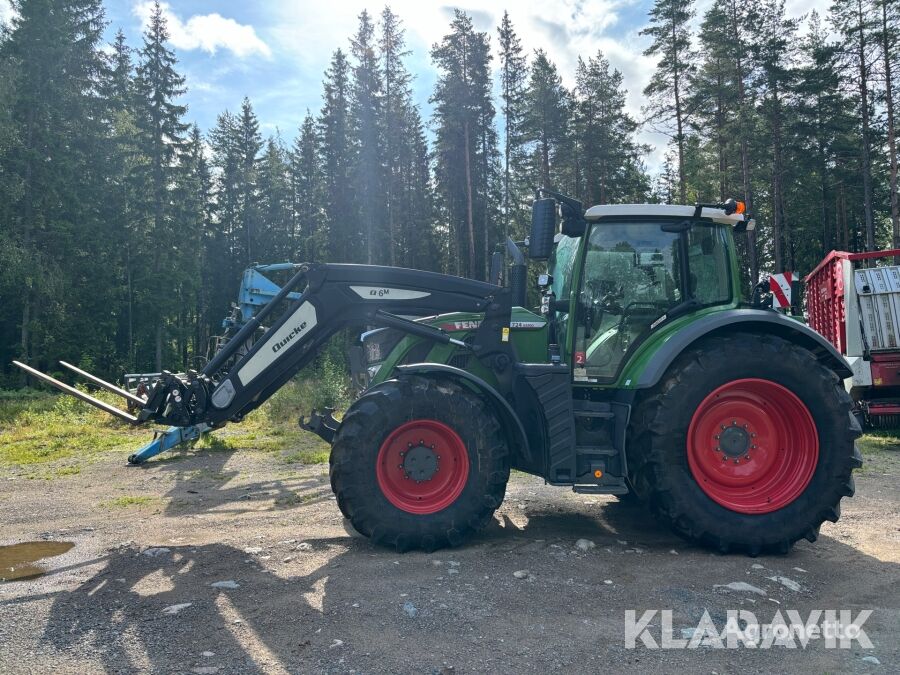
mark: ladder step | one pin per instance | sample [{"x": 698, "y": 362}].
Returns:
[
  {"x": 617, "y": 488},
  {"x": 595, "y": 414},
  {"x": 601, "y": 450}
]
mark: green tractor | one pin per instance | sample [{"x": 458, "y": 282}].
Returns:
[{"x": 643, "y": 374}]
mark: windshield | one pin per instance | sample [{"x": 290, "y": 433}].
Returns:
[{"x": 632, "y": 277}]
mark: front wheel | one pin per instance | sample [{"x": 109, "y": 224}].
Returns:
[
  {"x": 746, "y": 444},
  {"x": 419, "y": 463}
]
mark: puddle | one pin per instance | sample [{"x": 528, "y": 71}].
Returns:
[{"x": 17, "y": 561}]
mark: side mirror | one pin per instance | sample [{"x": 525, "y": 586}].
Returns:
[
  {"x": 543, "y": 228},
  {"x": 573, "y": 225}
]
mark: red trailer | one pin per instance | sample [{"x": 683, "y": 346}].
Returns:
[{"x": 853, "y": 299}]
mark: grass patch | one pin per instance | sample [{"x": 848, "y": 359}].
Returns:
[
  {"x": 126, "y": 501},
  {"x": 39, "y": 428},
  {"x": 311, "y": 456}
]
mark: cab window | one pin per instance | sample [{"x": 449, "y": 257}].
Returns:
[{"x": 632, "y": 278}]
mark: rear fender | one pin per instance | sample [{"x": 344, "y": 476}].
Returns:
[{"x": 743, "y": 320}]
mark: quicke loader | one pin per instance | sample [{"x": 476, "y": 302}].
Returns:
[{"x": 643, "y": 374}]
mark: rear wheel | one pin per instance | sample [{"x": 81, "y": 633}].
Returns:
[
  {"x": 746, "y": 444},
  {"x": 419, "y": 463}
]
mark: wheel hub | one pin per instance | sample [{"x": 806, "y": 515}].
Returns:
[
  {"x": 752, "y": 446},
  {"x": 420, "y": 462},
  {"x": 734, "y": 441},
  {"x": 422, "y": 466}
]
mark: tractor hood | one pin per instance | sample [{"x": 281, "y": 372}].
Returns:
[{"x": 522, "y": 320}]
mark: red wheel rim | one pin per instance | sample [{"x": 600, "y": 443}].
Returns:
[
  {"x": 752, "y": 446},
  {"x": 422, "y": 466}
]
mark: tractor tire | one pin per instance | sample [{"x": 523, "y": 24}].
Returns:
[
  {"x": 419, "y": 463},
  {"x": 747, "y": 444}
]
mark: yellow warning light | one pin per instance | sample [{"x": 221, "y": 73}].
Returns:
[
  {"x": 598, "y": 474},
  {"x": 740, "y": 207}
]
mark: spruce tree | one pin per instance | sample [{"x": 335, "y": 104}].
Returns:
[
  {"x": 307, "y": 240},
  {"x": 513, "y": 84},
  {"x": 670, "y": 30},
  {"x": 160, "y": 137},
  {"x": 337, "y": 158}
]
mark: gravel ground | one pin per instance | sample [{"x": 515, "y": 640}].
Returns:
[{"x": 236, "y": 564}]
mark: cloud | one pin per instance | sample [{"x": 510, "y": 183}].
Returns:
[
  {"x": 6, "y": 12},
  {"x": 208, "y": 32}
]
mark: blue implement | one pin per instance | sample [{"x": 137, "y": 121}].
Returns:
[{"x": 166, "y": 440}]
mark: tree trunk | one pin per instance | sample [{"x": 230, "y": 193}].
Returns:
[
  {"x": 746, "y": 182},
  {"x": 679, "y": 122},
  {"x": 27, "y": 232},
  {"x": 470, "y": 218},
  {"x": 778, "y": 227},
  {"x": 506, "y": 150},
  {"x": 866, "y": 157},
  {"x": 891, "y": 129}
]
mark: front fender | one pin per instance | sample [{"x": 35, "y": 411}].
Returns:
[
  {"x": 512, "y": 425},
  {"x": 731, "y": 320}
]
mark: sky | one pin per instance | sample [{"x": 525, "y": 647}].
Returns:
[{"x": 275, "y": 52}]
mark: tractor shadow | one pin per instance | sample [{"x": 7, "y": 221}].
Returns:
[
  {"x": 205, "y": 483},
  {"x": 333, "y": 607}
]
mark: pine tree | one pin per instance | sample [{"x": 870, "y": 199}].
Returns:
[
  {"x": 546, "y": 118},
  {"x": 513, "y": 83},
  {"x": 669, "y": 28},
  {"x": 465, "y": 141},
  {"x": 775, "y": 48},
  {"x": 605, "y": 133},
  {"x": 890, "y": 28},
  {"x": 856, "y": 21},
  {"x": 822, "y": 120},
  {"x": 160, "y": 132}
]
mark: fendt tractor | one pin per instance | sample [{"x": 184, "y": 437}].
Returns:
[{"x": 642, "y": 374}]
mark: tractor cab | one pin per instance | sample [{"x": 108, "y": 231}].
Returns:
[{"x": 626, "y": 270}]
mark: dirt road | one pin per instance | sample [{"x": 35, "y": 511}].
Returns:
[{"x": 223, "y": 562}]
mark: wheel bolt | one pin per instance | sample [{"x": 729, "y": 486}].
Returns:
[
  {"x": 753, "y": 447},
  {"x": 409, "y": 445},
  {"x": 734, "y": 423},
  {"x": 724, "y": 458},
  {"x": 716, "y": 436},
  {"x": 737, "y": 461},
  {"x": 747, "y": 457}
]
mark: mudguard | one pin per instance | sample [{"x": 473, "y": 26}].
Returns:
[
  {"x": 759, "y": 320},
  {"x": 510, "y": 420}
]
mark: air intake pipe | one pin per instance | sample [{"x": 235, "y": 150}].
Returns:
[{"x": 518, "y": 273}]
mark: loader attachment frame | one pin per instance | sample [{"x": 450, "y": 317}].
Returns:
[{"x": 318, "y": 301}]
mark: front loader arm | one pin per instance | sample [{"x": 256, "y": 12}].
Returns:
[{"x": 333, "y": 297}]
